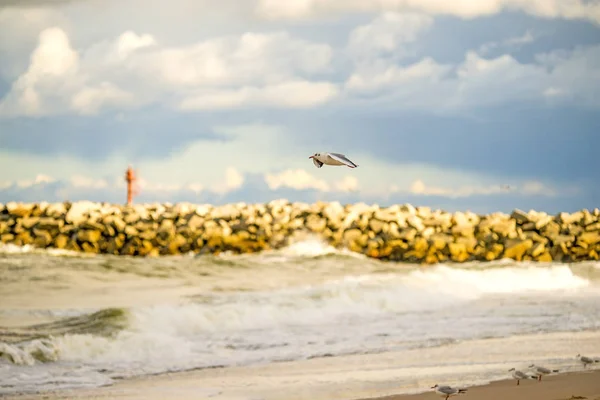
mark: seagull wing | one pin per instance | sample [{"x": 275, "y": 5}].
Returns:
[
  {"x": 447, "y": 389},
  {"x": 317, "y": 163},
  {"x": 521, "y": 375},
  {"x": 342, "y": 158}
]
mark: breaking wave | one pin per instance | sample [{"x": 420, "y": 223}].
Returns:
[{"x": 383, "y": 309}]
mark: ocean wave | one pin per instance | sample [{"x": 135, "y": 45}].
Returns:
[
  {"x": 37, "y": 343},
  {"x": 369, "y": 313},
  {"x": 161, "y": 327}
]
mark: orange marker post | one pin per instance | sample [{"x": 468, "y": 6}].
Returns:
[{"x": 130, "y": 178}]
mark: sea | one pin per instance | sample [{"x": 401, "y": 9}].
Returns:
[{"x": 77, "y": 321}]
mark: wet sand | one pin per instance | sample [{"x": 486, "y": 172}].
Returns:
[
  {"x": 569, "y": 386},
  {"x": 208, "y": 384}
]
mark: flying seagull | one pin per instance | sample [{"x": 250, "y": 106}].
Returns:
[
  {"x": 331, "y": 159},
  {"x": 447, "y": 391}
]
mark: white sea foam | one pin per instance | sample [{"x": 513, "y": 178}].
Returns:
[
  {"x": 26, "y": 249},
  {"x": 410, "y": 308},
  {"x": 173, "y": 332}
]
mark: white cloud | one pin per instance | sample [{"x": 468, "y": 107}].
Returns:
[
  {"x": 387, "y": 34},
  {"x": 129, "y": 42},
  {"x": 538, "y": 189},
  {"x": 387, "y": 77},
  {"x": 233, "y": 60},
  {"x": 258, "y": 69},
  {"x": 19, "y": 33},
  {"x": 552, "y": 92},
  {"x": 418, "y": 187},
  {"x": 510, "y": 43},
  {"x": 39, "y": 179},
  {"x": 348, "y": 184},
  {"x": 481, "y": 82},
  {"x": 303, "y": 9},
  {"x": 306, "y": 187},
  {"x": 89, "y": 100},
  {"x": 292, "y": 94},
  {"x": 276, "y": 70},
  {"x": 81, "y": 181},
  {"x": 233, "y": 181},
  {"x": 297, "y": 179},
  {"x": 55, "y": 82}
]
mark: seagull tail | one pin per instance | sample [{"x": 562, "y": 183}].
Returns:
[
  {"x": 462, "y": 390},
  {"x": 554, "y": 370}
]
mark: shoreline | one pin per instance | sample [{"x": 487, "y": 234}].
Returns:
[
  {"x": 581, "y": 385},
  {"x": 391, "y": 375},
  {"x": 400, "y": 233}
]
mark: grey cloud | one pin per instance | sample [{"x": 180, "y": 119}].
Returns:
[
  {"x": 34, "y": 3},
  {"x": 255, "y": 190},
  {"x": 147, "y": 136},
  {"x": 520, "y": 141}
]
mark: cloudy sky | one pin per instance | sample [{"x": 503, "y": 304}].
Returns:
[{"x": 471, "y": 104}]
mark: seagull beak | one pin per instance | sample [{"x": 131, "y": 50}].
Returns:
[{"x": 311, "y": 157}]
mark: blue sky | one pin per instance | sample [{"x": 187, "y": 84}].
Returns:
[{"x": 483, "y": 105}]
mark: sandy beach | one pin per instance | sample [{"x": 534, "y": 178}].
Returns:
[
  {"x": 583, "y": 385},
  {"x": 388, "y": 375}
]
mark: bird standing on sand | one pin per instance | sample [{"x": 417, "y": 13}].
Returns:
[
  {"x": 331, "y": 159},
  {"x": 447, "y": 391},
  {"x": 518, "y": 375},
  {"x": 586, "y": 360},
  {"x": 540, "y": 371}
]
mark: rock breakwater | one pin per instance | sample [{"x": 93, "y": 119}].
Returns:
[{"x": 397, "y": 233}]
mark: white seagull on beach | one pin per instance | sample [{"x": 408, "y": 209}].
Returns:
[
  {"x": 541, "y": 371},
  {"x": 518, "y": 375},
  {"x": 586, "y": 360},
  {"x": 331, "y": 159},
  {"x": 447, "y": 391}
]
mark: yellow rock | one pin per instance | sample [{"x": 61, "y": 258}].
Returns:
[
  {"x": 516, "y": 249},
  {"x": 537, "y": 249},
  {"x": 373, "y": 253},
  {"x": 431, "y": 259},
  {"x": 89, "y": 247},
  {"x": 458, "y": 252},
  {"x": 24, "y": 238},
  {"x": 438, "y": 243},
  {"x": 544, "y": 257},
  {"x": 398, "y": 244},
  {"x": 469, "y": 242},
  {"x": 421, "y": 245},
  {"x": 590, "y": 237},
  {"x": 61, "y": 241},
  {"x": 385, "y": 251}
]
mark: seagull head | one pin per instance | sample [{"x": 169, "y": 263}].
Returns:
[{"x": 315, "y": 155}]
